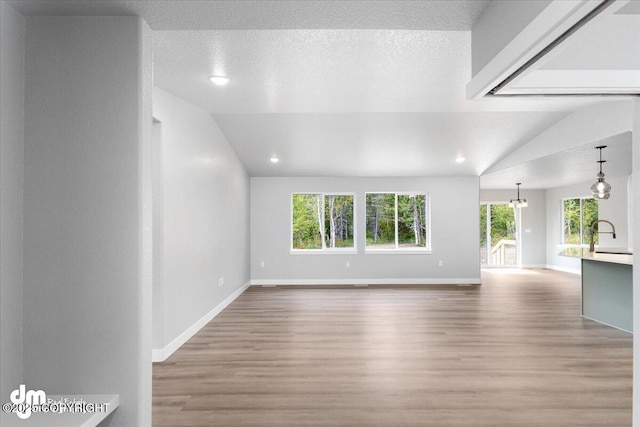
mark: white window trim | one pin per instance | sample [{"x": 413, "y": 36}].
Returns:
[
  {"x": 398, "y": 250},
  {"x": 324, "y": 250},
  {"x": 562, "y": 236},
  {"x": 328, "y": 251}
]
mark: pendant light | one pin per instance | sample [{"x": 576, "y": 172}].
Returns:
[
  {"x": 518, "y": 203},
  {"x": 601, "y": 189}
]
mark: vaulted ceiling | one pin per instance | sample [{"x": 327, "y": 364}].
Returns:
[{"x": 337, "y": 88}]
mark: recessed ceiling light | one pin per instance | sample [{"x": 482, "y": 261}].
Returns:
[
  {"x": 274, "y": 159},
  {"x": 220, "y": 80},
  {"x": 460, "y": 159}
]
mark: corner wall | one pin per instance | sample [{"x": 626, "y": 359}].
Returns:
[
  {"x": 87, "y": 204},
  {"x": 11, "y": 203},
  {"x": 204, "y": 216},
  {"x": 454, "y": 223}
]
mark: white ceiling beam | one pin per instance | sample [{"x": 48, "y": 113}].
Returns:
[
  {"x": 576, "y": 82},
  {"x": 558, "y": 17}
]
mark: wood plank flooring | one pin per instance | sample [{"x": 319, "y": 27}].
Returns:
[{"x": 512, "y": 352}]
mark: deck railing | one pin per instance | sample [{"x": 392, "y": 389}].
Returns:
[{"x": 498, "y": 252}]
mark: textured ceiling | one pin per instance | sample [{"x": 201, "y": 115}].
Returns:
[
  {"x": 334, "y": 87},
  {"x": 377, "y": 144},
  {"x": 450, "y": 15},
  {"x": 293, "y": 71},
  {"x": 316, "y": 70},
  {"x": 379, "y": 94},
  {"x": 567, "y": 167}
]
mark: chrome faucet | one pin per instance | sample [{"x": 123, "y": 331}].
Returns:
[{"x": 592, "y": 245}]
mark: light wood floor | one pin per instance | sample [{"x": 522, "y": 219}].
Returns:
[{"x": 512, "y": 352}]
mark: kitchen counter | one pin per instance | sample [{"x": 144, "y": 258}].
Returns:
[
  {"x": 607, "y": 286},
  {"x": 580, "y": 252}
]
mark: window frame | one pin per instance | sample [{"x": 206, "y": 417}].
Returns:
[
  {"x": 582, "y": 225},
  {"x": 428, "y": 249},
  {"x": 324, "y": 250}
]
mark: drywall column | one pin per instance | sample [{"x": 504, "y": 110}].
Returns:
[
  {"x": 87, "y": 204},
  {"x": 11, "y": 162},
  {"x": 636, "y": 266}
]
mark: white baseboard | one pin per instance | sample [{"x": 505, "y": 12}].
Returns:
[
  {"x": 534, "y": 266},
  {"x": 606, "y": 324},
  {"x": 162, "y": 354},
  {"x": 316, "y": 282},
  {"x": 564, "y": 269},
  {"x": 157, "y": 355}
]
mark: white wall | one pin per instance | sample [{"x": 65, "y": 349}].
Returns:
[
  {"x": 205, "y": 217},
  {"x": 87, "y": 194},
  {"x": 11, "y": 169},
  {"x": 158, "y": 239},
  {"x": 454, "y": 222},
  {"x": 615, "y": 209},
  {"x": 533, "y": 223},
  {"x": 635, "y": 188}
]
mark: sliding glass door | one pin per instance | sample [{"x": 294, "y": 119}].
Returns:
[{"x": 498, "y": 236}]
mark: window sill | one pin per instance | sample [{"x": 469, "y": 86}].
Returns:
[
  {"x": 397, "y": 252},
  {"x": 346, "y": 251}
]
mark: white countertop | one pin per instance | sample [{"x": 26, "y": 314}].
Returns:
[
  {"x": 580, "y": 252},
  {"x": 89, "y": 419}
]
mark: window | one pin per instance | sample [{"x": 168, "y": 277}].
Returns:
[
  {"x": 578, "y": 215},
  {"x": 322, "y": 222},
  {"x": 397, "y": 221}
]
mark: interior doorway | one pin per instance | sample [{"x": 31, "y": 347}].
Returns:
[{"x": 498, "y": 235}]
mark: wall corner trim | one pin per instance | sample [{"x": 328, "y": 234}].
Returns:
[{"x": 162, "y": 354}]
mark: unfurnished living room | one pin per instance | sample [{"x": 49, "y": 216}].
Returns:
[{"x": 319, "y": 213}]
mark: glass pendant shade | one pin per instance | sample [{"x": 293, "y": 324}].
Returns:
[{"x": 601, "y": 189}]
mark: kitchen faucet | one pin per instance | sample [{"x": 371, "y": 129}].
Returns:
[{"x": 592, "y": 245}]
